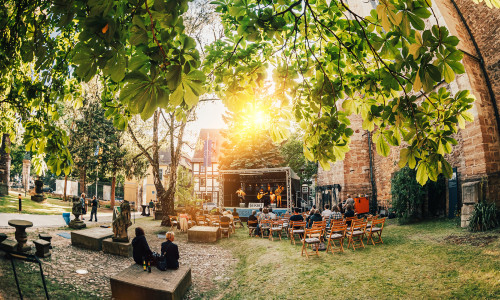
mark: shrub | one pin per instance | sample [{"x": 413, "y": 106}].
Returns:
[
  {"x": 107, "y": 206},
  {"x": 407, "y": 195},
  {"x": 484, "y": 217}
]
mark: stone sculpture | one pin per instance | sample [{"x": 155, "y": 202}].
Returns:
[
  {"x": 77, "y": 211},
  {"x": 122, "y": 223}
]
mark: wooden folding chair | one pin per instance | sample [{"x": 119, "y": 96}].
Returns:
[
  {"x": 284, "y": 227},
  {"x": 237, "y": 220},
  {"x": 225, "y": 228},
  {"x": 369, "y": 220},
  {"x": 320, "y": 225},
  {"x": 296, "y": 227},
  {"x": 377, "y": 230},
  {"x": 265, "y": 225},
  {"x": 357, "y": 234},
  {"x": 337, "y": 233},
  {"x": 173, "y": 222},
  {"x": 201, "y": 221},
  {"x": 215, "y": 221},
  {"x": 311, "y": 239},
  {"x": 252, "y": 225},
  {"x": 276, "y": 227}
]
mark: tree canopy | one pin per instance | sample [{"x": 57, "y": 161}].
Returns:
[{"x": 322, "y": 55}]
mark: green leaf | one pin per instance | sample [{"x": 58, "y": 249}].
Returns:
[
  {"x": 349, "y": 106},
  {"x": 422, "y": 176},
  {"x": 115, "y": 66},
  {"x": 403, "y": 158},
  {"x": 382, "y": 146}
]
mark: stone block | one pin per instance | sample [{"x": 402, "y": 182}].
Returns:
[
  {"x": 470, "y": 192},
  {"x": 134, "y": 284},
  {"x": 204, "y": 234},
  {"x": 158, "y": 215},
  {"x": 3, "y": 237},
  {"x": 117, "y": 248},
  {"x": 90, "y": 238},
  {"x": 42, "y": 248},
  {"x": 77, "y": 224},
  {"x": 8, "y": 245}
]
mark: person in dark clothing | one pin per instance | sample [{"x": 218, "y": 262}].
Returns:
[
  {"x": 170, "y": 252},
  {"x": 140, "y": 248},
  {"x": 252, "y": 217},
  {"x": 93, "y": 212},
  {"x": 297, "y": 217},
  {"x": 315, "y": 218},
  {"x": 349, "y": 213}
]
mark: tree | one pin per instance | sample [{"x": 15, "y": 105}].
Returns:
[
  {"x": 184, "y": 189},
  {"x": 383, "y": 67},
  {"x": 292, "y": 152}
]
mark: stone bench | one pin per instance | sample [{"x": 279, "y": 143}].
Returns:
[
  {"x": 46, "y": 237},
  {"x": 117, "y": 248},
  {"x": 134, "y": 283},
  {"x": 90, "y": 238},
  {"x": 8, "y": 245},
  {"x": 42, "y": 248},
  {"x": 204, "y": 234}
]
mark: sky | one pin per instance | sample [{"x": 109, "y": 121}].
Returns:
[{"x": 209, "y": 115}]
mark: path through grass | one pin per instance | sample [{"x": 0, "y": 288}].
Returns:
[{"x": 10, "y": 204}]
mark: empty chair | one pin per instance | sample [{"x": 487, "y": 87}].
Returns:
[
  {"x": 357, "y": 234},
  {"x": 225, "y": 228},
  {"x": 276, "y": 227},
  {"x": 310, "y": 238},
  {"x": 337, "y": 233},
  {"x": 296, "y": 227},
  {"x": 201, "y": 221},
  {"x": 376, "y": 231}
]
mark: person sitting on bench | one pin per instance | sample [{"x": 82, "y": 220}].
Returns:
[
  {"x": 170, "y": 252},
  {"x": 140, "y": 249}
]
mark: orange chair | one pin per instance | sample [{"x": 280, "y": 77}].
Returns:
[
  {"x": 296, "y": 227},
  {"x": 276, "y": 227},
  {"x": 377, "y": 230},
  {"x": 337, "y": 233},
  {"x": 225, "y": 228},
  {"x": 310, "y": 238},
  {"x": 357, "y": 234},
  {"x": 252, "y": 225},
  {"x": 265, "y": 225}
]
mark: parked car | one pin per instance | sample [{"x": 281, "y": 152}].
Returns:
[{"x": 209, "y": 206}]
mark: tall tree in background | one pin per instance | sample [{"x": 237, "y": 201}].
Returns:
[{"x": 293, "y": 154}]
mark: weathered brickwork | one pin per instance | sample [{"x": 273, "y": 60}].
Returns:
[{"x": 477, "y": 155}]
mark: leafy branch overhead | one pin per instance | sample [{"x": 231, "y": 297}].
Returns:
[{"x": 384, "y": 67}]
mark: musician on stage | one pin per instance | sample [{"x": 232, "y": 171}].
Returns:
[
  {"x": 241, "y": 195},
  {"x": 277, "y": 192},
  {"x": 260, "y": 195}
]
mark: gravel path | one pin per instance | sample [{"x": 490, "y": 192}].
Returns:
[{"x": 210, "y": 264}]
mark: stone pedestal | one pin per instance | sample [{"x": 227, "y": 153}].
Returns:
[
  {"x": 46, "y": 237},
  {"x": 77, "y": 224},
  {"x": 42, "y": 248},
  {"x": 470, "y": 195},
  {"x": 90, "y": 238},
  {"x": 20, "y": 235},
  {"x": 204, "y": 234},
  {"x": 135, "y": 284},
  {"x": 8, "y": 245},
  {"x": 158, "y": 215},
  {"x": 117, "y": 248}
]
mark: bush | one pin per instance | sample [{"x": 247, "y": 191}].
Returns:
[
  {"x": 484, "y": 217},
  {"x": 107, "y": 206},
  {"x": 407, "y": 195}
]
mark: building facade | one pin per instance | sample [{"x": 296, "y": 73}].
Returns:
[{"x": 205, "y": 165}]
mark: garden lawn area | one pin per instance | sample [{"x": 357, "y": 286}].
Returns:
[
  {"x": 432, "y": 259},
  {"x": 50, "y": 206}
]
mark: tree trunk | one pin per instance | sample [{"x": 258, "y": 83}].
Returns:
[
  {"x": 113, "y": 186},
  {"x": 5, "y": 165},
  {"x": 83, "y": 177},
  {"x": 65, "y": 184}
]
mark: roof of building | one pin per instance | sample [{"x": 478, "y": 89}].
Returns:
[
  {"x": 164, "y": 158},
  {"x": 215, "y": 136}
]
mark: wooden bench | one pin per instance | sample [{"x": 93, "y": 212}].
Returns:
[{"x": 134, "y": 283}]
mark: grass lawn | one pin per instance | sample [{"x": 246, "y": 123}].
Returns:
[
  {"x": 433, "y": 259},
  {"x": 10, "y": 204}
]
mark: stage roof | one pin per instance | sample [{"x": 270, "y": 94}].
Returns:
[{"x": 260, "y": 171}]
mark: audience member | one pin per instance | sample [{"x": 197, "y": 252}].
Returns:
[
  {"x": 327, "y": 212},
  {"x": 349, "y": 201},
  {"x": 349, "y": 213},
  {"x": 297, "y": 216},
  {"x": 259, "y": 212},
  {"x": 253, "y": 216},
  {"x": 140, "y": 248},
  {"x": 336, "y": 214},
  {"x": 235, "y": 213},
  {"x": 170, "y": 252},
  {"x": 273, "y": 215},
  {"x": 315, "y": 217}
]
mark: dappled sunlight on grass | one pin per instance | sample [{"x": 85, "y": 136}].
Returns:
[
  {"x": 413, "y": 262},
  {"x": 50, "y": 206}
]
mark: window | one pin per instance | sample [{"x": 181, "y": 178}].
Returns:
[
  {"x": 197, "y": 183},
  {"x": 203, "y": 182},
  {"x": 196, "y": 167},
  {"x": 161, "y": 173},
  {"x": 216, "y": 182},
  {"x": 215, "y": 167},
  {"x": 209, "y": 182},
  {"x": 202, "y": 168}
]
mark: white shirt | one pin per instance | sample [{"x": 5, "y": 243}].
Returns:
[{"x": 326, "y": 213}]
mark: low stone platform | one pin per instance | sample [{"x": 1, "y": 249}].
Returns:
[
  {"x": 204, "y": 234},
  {"x": 90, "y": 238},
  {"x": 134, "y": 283},
  {"x": 8, "y": 245},
  {"x": 117, "y": 248}
]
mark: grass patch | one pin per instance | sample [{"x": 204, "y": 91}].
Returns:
[
  {"x": 415, "y": 261},
  {"x": 31, "y": 284},
  {"x": 50, "y": 206}
]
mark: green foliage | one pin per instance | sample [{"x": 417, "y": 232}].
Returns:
[
  {"x": 184, "y": 188},
  {"x": 293, "y": 154},
  {"x": 484, "y": 217},
  {"x": 407, "y": 195},
  {"x": 16, "y": 164},
  {"x": 322, "y": 53}
]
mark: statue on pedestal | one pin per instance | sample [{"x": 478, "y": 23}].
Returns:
[
  {"x": 38, "y": 197},
  {"x": 77, "y": 211},
  {"x": 122, "y": 223}
]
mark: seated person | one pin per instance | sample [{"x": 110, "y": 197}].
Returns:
[
  {"x": 349, "y": 213},
  {"x": 170, "y": 252},
  {"x": 235, "y": 213},
  {"x": 297, "y": 216},
  {"x": 253, "y": 216},
  {"x": 327, "y": 212},
  {"x": 336, "y": 214},
  {"x": 315, "y": 218},
  {"x": 140, "y": 248},
  {"x": 273, "y": 215}
]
